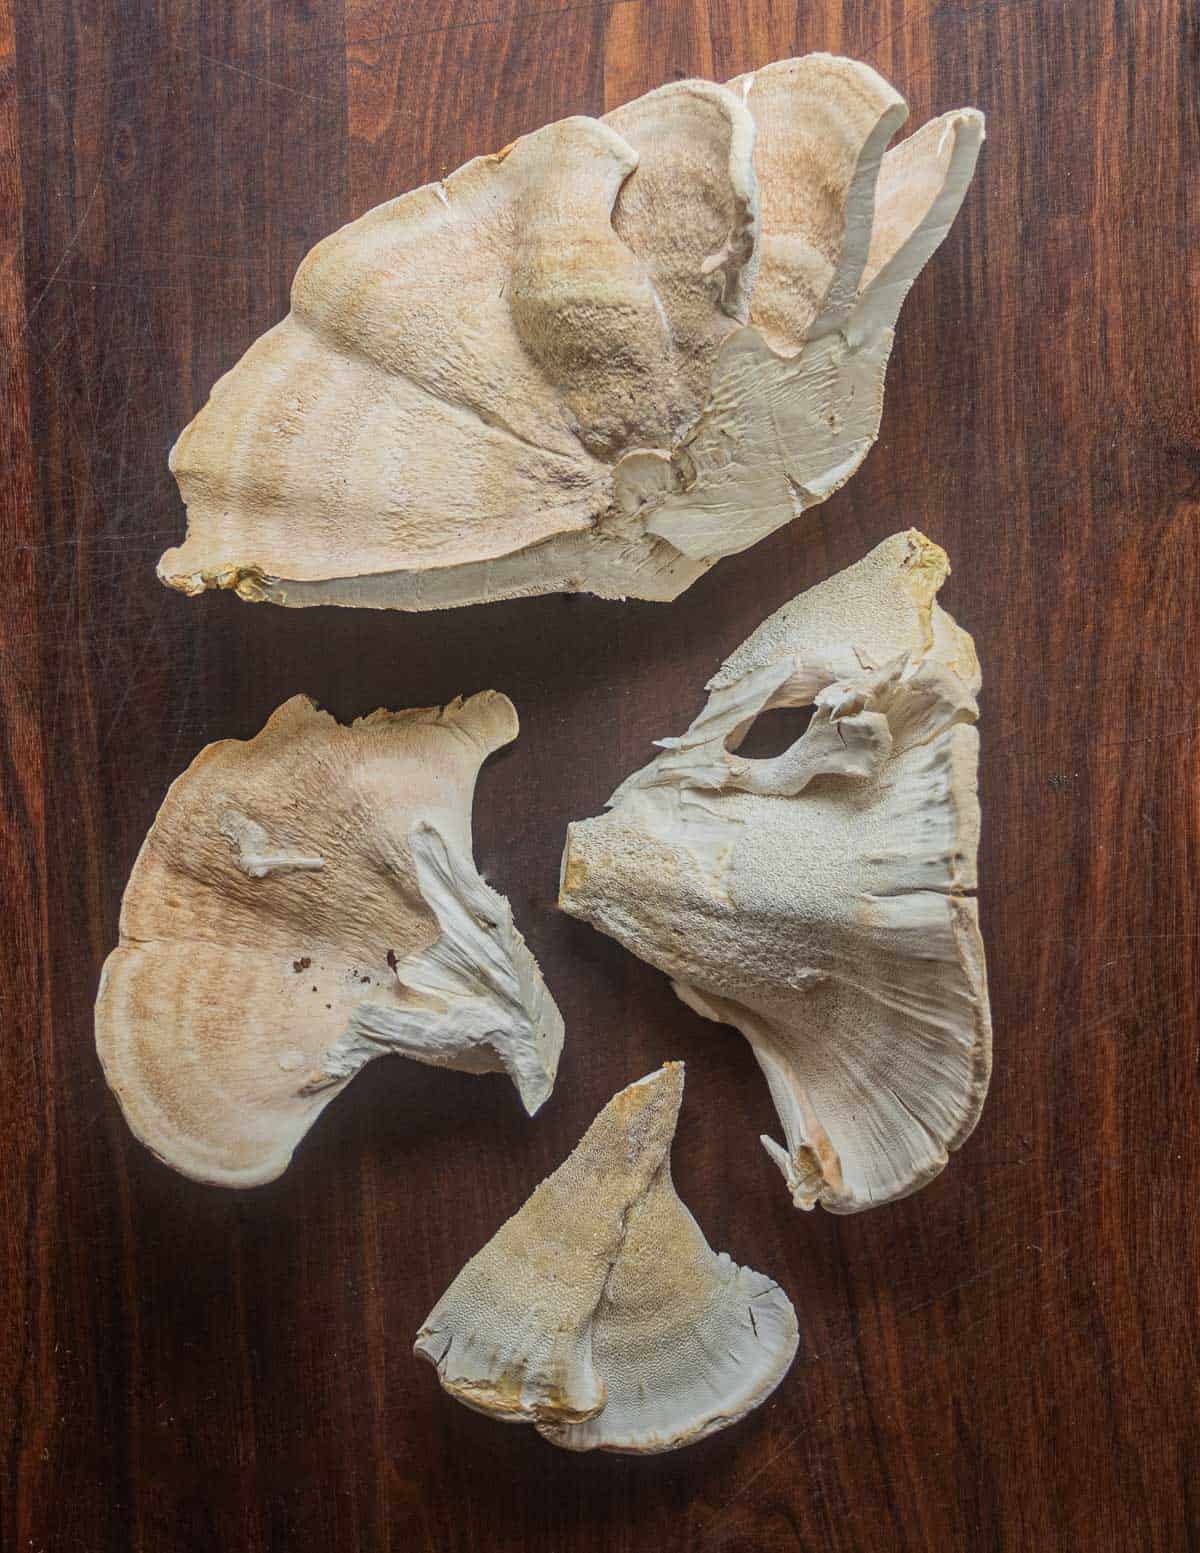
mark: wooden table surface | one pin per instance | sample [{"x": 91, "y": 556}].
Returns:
[{"x": 1007, "y": 1360}]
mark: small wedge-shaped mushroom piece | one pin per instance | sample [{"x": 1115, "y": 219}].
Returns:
[
  {"x": 596, "y": 361},
  {"x": 306, "y": 901},
  {"x": 822, "y": 900},
  {"x": 599, "y": 1312}
]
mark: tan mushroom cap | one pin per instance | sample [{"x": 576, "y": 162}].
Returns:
[
  {"x": 304, "y": 902},
  {"x": 822, "y": 900},
  {"x": 599, "y": 1313},
  {"x": 596, "y": 361}
]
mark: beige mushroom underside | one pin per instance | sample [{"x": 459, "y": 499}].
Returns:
[
  {"x": 599, "y": 1313},
  {"x": 597, "y": 361},
  {"x": 823, "y": 900},
  {"x": 305, "y": 901}
]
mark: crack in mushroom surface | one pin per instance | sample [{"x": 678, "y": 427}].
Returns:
[
  {"x": 306, "y": 901},
  {"x": 599, "y": 1312},
  {"x": 822, "y": 900},
  {"x": 597, "y": 361}
]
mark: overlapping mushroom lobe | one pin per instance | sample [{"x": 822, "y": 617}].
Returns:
[
  {"x": 596, "y": 361},
  {"x": 599, "y": 1313},
  {"x": 823, "y": 899},
  {"x": 306, "y": 901}
]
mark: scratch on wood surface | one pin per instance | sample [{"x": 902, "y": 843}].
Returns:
[
  {"x": 262, "y": 80},
  {"x": 508, "y": 18},
  {"x": 66, "y": 253},
  {"x": 850, "y": 1344},
  {"x": 956, "y": 12}
]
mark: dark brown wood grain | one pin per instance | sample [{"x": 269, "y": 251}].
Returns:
[{"x": 1007, "y": 1361}]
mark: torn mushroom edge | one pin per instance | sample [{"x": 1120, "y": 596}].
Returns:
[
  {"x": 924, "y": 572},
  {"x": 862, "y": 319},
  {"x": 506, "y": 726},
  {"x": 492, "y": 1403}
]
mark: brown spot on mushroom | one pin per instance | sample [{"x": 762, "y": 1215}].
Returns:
[{"x": 201, "y": 1041}]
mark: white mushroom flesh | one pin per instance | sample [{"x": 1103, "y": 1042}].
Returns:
[
  {"x": 823, "y": 900},
  {"x": 599, "y": 1312},
  {"x": 637, "y": 344}
]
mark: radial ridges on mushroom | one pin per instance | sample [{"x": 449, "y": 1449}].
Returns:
[
  {"x": 823, "y": 900},
  {"x": 597, "y": 361},
  {"x": 304, "y": 902}
]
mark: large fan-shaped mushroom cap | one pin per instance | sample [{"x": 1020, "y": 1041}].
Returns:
[
  {"x": 306, "y": 901},
  {"x": 597, "y": 361},
  {"x": 823, "y": 900},
  {"x": 599, "y": 1312}
]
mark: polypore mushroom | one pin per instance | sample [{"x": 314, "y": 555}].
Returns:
[
  {"x": 600, "y": 1314},
  {"x": 306, "y": 901},
  {"x": 822, "y": 900},
  {"x": 597, "y": 361}
]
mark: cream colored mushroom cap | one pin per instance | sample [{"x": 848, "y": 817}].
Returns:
[
  {"x": 599, "y": 1313},
  {"x": 823, "y": 900},
  {"x": 304, "y": 902},
  {"x": 599, "y": 360}
]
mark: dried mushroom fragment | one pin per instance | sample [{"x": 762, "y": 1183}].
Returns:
[
  {"x": 597, "y": 361},
  {"x": 599, "y": 1313},
  {"x": 822, "y": 900},
  {"x": 306, "y": 901}
]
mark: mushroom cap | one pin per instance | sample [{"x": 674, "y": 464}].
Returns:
[
  {"x": 822, "y": 900},
  {"x": 305, "y": 901},
  {"x": 599, "y": 1313},
  {"x": 639, "y": 343}
]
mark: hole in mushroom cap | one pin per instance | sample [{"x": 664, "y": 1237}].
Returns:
[{"x": 772, "y": 732}]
